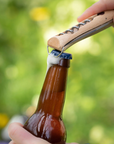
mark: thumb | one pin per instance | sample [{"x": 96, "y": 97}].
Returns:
[{"x": 20, "y": 136}]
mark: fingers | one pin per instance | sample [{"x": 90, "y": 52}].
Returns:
[
  {"x": 98, "y": 7},
  {"x": 12, "y": 142},
  {"x": 89, "y": 12},
  {"x": 20, "y": 136}
]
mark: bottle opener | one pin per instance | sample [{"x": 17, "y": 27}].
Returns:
[{"x": 84, "y": 29}]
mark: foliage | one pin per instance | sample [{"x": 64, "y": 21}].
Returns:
[{"x": 25, "y": 27}]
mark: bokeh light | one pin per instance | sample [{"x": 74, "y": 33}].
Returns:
[
  {"x": 3, "y": 120},
  {"x": 39, "y": 14}
]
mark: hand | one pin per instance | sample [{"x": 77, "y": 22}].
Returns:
[
  {"x": 20, "y": 136},
  {"x": 100, "y": 6}
]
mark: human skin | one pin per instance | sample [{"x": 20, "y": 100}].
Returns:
[
  {"x": 100, "y": 6},
  {"x": 20, "y": 136}
]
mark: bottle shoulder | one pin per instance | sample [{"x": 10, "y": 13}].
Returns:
[{"x": 47, "y": 127}]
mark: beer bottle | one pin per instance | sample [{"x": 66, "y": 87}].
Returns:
[{"x": 46, "y": 122}]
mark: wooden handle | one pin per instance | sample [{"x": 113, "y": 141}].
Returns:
[{"x": 60, "y": 41}]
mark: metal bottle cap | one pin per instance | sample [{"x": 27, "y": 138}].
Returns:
[{"x": 63, "y": 55}]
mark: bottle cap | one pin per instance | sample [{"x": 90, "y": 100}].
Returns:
[{"x": 63, "y": 55}]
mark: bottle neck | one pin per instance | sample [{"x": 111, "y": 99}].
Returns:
[{"x": 52, "y": 96}]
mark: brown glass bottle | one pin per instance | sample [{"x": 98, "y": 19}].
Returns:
[{"x": 46, "y": 122}]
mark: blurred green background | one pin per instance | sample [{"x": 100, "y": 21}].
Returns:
[{"x": 25, "y": 27}]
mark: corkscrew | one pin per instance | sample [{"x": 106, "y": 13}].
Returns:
[{"x": 84, "y": 29}]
